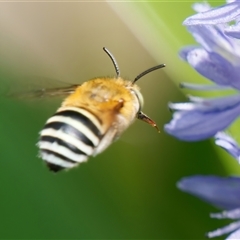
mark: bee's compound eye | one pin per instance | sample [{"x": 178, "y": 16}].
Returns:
[{"x": 139, "y": 97}]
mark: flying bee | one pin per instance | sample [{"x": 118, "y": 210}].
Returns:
[{"x": 93, "y": 116}]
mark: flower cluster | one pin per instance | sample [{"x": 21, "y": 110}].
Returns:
[
  {"x": 218, "y": 59},
  {"x": 217, "y": 30}
]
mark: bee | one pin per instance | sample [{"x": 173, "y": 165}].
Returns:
[{"x": 93, "y": 115}]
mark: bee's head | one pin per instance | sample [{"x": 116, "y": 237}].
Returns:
[
  {"x": 132, "y": 88},
  {"x": 135, "y": 90}
]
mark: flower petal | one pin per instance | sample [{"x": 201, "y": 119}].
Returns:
[
  {"x": 203, "y": 87},
  {"x": 230, "y": 1},
  {"x": 233, "y": 31},
  {"x": 224, "y": 230},
  {"x": 207, "y": 104},
  {"x": 222, "y": 14},
  {"x": 214, "y": 67},
  {"x": 231, "y": 214},
  {"x": 229, "y": 144},
  {"x": 218, "y": 191},
  {"x": 213, "y": 39},
  {"x": 235, "y": 235},
  {"x": 183, "y": 53},
  {"x": 203, "y": 119},
  {"x": 201, "y": 7}
]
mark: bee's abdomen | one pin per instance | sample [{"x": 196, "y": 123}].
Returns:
[{"x": 69, "y": 137}]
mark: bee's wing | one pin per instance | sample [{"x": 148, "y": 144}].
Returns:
[
  {"x": 38, "y": 87},
  {"x": 44, "y": 92}
]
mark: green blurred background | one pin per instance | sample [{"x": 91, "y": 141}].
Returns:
[{"x": 129, "y": 191}]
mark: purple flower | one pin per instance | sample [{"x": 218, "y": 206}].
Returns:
[
  {"x": 218, "y": 59},
  {"x": 221, "y": 192}
]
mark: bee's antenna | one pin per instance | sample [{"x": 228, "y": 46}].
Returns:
[
  {"x": 148, "y": 71},
  {"x": 113, "y": 61}
]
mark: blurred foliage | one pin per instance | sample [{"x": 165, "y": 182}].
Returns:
[{"x": 129, "y": 190}]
